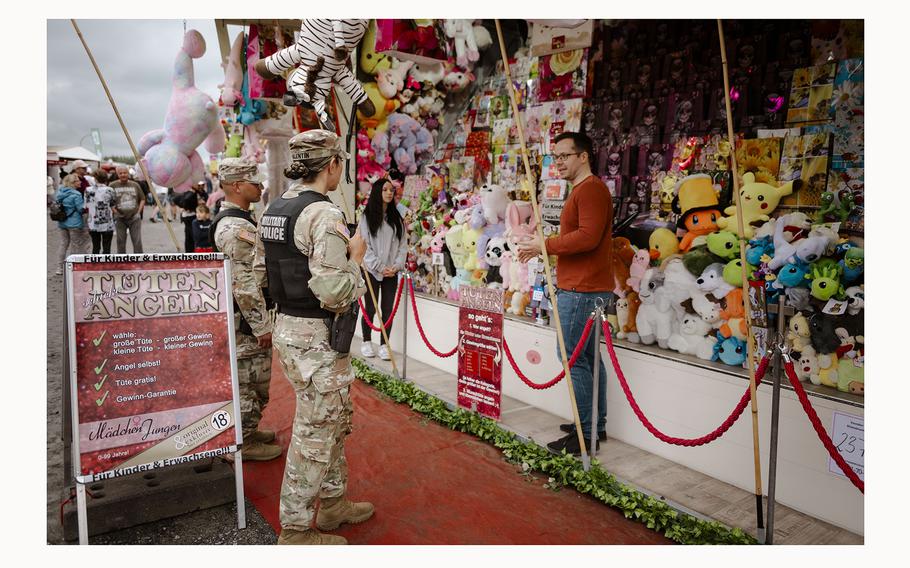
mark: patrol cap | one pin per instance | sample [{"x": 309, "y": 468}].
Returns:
[
  {"x": 312, "y": 145},
  {"x": 238, "y": 169}
]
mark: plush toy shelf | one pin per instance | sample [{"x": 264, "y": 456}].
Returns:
[{"x": 818, "y": 391}]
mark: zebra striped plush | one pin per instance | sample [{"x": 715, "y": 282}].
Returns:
[{"x": 320, "y": 55}]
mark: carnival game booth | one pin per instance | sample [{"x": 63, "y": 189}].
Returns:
[{"x": 676, "y": 127}]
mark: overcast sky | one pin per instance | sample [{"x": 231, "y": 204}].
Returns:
[{"x": 137, "y": 59}]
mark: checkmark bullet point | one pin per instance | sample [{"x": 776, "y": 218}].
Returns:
[
  {"x": 99, "y": 367},
  {"x": 101, "y": 400},
  {"x": 100, "y": 383},
  {"x": 97, "y": 341}
]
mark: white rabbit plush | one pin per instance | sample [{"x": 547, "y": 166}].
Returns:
[{"x": 655, "y": 315}]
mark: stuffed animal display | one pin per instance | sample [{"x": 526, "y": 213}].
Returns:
[
  {"x": 192, "y": 119},
  {"x": 445, "y": 135}
]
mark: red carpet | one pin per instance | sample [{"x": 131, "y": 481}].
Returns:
[{"x": 431, "y": 485}]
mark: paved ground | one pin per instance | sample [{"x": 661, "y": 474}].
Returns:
[{"x": 217, "y": 525}]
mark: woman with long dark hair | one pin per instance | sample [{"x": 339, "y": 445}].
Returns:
[{"x": 387, "y": 248}]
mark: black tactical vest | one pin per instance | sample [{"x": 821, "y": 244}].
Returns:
[{"x": 288, "y": 269}]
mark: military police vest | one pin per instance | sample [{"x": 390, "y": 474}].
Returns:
[{"x": 288, "y": 269}]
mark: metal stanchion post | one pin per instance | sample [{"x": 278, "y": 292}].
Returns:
[
  {"x": 779, "y": 351},
  {"x": 598, "y": 317},
  {"x": 405, "y": 281}
]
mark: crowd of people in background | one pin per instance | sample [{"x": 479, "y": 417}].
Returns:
[{"x": 111, "y": 200}]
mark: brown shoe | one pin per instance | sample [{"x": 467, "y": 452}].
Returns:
[
  {"x": 334, "y": 512},
  {"x": 257, "y": 451},
  {"x": 291, "y": 536},
  {"x": 262, "y": 436}
]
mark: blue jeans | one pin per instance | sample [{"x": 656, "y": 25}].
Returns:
[{"x": 574, "y": 309}]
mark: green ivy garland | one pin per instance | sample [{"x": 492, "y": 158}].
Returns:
[{"x": 562, "y": 469}]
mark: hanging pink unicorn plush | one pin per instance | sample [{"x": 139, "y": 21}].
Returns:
[
  {"x": 231, "y": 93},
  {"x": 192, "y": 118}
]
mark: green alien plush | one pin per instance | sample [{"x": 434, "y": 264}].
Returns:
[
  {"x": 733, "y": 273},
  {"x": 724, "y": 244},
  {"x": 826, "y": 280}
]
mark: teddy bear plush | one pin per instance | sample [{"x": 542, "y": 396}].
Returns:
[
  {"x": 623, "y": 255},
  {"x": 192, "y": 119},
  {"x": 320, "y": 55},
  {"x": 692, "y": 338},
  {"x": 757, "y": 201},
  {"x": 655, "y": 316}
]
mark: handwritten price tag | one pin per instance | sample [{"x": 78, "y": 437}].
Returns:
[
  {"x": 848, "y": 437},
  {"x": 537, "y": 295},
  {"x": 438, "y": 259}
]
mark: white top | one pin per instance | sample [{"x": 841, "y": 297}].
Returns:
[
  {"x": 383, "y": 249},
  {"x": 100, "y": 199}
]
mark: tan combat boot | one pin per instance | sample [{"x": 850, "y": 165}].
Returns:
[
  {"x": 333, "y": 512},
  {"x": 257, "y": 451},
  {"x": 264, "y": 436},
  {"x": 291, "y": 536}
]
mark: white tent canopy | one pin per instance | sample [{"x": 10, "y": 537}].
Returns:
[{"x": 74, "y": 153}]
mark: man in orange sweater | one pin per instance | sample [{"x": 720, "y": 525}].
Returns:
[{"x": 584, "y": 270}]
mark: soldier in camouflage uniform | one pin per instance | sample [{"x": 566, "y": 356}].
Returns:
[
  {"x": 233, "y": 232},
  {"x": 312, "y": 267}
]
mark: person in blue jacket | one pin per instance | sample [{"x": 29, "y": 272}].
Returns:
[{"x": 74, "y": 238}]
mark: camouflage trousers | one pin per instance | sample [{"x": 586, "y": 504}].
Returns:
[
  {"x": 254, "y": 373},
  {"x": 316, "y": 466}
]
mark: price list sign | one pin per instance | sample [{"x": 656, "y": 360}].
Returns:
[
  {"x": 151, "y": 355},
  {"x": 480, "y": 350},
  {"x": 849, "y": 439}
]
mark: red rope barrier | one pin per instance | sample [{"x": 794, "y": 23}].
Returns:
[
  {"x": 688, "y": 442},
  {"x": 575, "y": 354},
  {"x": 820, "y": 430},
  {"x": 420, "y": 327},
  {"x": 388, "y": 322}
]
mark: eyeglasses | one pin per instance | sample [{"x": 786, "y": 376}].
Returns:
[{"x": 563, "y": 157}]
